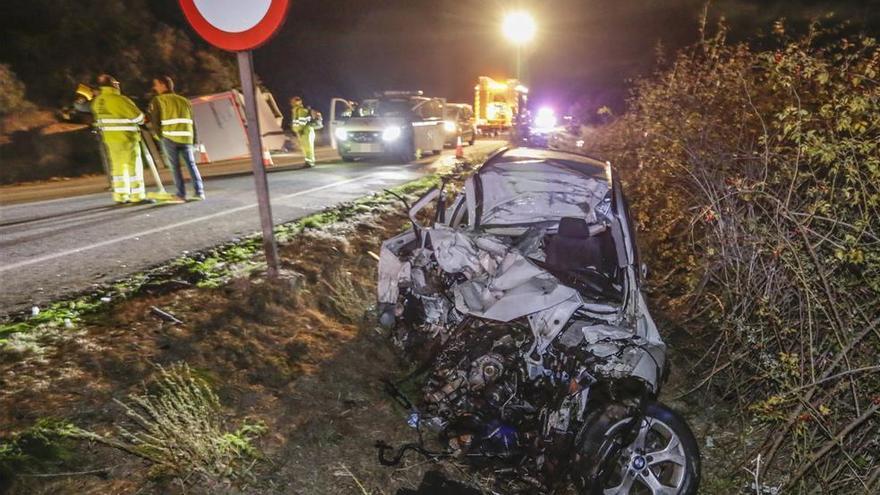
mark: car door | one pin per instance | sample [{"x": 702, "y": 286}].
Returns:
[
  {"x": 421, "y": 126},
  {"x": 340, "y": 109}
]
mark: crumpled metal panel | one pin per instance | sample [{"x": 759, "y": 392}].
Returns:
[
  {"x": 529, "y": 192},
  {"x": 503, "y": 285},
  {"x": 391, "y": 268},
  {"x": 547, "y": 324}
]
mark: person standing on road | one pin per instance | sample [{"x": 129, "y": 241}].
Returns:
[
  {"x": 118, "y": 118},
  {"x": 171, "y": 121},
  {"x": 303, "y": 123}
]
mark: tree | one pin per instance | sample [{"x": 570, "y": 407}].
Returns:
[{"x": 54, "y": 45}]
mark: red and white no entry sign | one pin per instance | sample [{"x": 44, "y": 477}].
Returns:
[
  {"x": 235, "y": 25},
  {"x": 240, "y": 26}
]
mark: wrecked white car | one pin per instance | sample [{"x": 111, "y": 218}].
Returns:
[{"x": 521, "y": 300}]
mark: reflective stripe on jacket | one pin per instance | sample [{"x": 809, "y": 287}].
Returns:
[
  {"x": 117, "y": 116},
  {"x": 171, "y": 117},
  {"x": 300, "y": 117}
]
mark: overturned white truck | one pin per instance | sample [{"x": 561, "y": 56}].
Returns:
[
  {"x": 222, "y": 128},
  {"x": 522, "y": 300}
]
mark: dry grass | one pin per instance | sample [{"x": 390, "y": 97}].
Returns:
[{"x": 180, "y": 428}]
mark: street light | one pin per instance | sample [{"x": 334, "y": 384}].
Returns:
[{"x": 519, "y": 28}]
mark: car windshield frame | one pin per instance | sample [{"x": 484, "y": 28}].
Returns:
[{"x": 386, "y": 108}]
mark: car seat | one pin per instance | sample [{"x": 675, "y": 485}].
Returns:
[{"x": 572, "y": 247}]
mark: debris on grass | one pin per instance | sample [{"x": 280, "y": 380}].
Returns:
[{"x": 164, "y": 315}]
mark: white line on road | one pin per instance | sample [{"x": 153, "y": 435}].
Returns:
[{"x": 115, "y": 240}]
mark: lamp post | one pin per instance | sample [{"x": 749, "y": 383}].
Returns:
[{"x": 519, "y": 28}]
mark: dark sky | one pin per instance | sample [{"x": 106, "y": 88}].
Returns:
[{"x": 583, "y": 49}]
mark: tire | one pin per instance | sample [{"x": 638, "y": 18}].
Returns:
[
  {"x": 409, "y": 155},
  {"x": 606, "y": 467}
]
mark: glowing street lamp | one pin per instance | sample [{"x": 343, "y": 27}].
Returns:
[{"x": 519, "y": 28}]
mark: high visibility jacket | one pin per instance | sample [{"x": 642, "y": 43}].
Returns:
[
  {"x": 171, "y": 117},
  {"x": 300, "y": 118},
  {"x": 116, "y": 116}
]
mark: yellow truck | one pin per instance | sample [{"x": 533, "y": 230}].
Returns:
[{"x": 497, "y": 104}]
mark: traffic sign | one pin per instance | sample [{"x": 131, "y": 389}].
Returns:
[
  {"x": 240, "y": 26},
  {"x": 235, "y": 25}
]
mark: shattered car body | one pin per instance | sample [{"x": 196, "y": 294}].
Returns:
[{"x": 523, "y": 299}]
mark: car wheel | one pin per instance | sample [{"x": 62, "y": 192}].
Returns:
[
  {"x": 409, "y": 154},
  {"x": 663, "y": 457}
]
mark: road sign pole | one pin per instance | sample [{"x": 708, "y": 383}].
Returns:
[{"x": 255, "y": 142}]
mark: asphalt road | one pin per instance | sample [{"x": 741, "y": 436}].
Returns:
[{"x": 50, "y": 249}]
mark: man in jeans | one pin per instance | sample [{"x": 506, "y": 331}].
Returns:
[{"x": 171, "y": 120}]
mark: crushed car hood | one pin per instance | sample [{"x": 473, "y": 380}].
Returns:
[{"x": 499, "y": 277}]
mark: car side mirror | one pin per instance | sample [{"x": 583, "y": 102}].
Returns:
[{"x": 644, "y": 271}]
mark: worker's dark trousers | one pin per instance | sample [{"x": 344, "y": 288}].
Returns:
[{"x": 173, "y": 152}]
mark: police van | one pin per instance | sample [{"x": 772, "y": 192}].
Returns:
[{"x": 394, "y": 126}]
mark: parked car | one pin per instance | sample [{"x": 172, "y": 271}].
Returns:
[
  {"x": 523, "y": 298},
  {"x": 458, "y": 122}
]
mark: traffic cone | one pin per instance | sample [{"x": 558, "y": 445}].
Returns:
[
  {"x": 459, "y": 151},
  {"x": 267, "y": 159},
  {"x": 203, "y": 155}
]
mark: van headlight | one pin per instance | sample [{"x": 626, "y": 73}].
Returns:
[
  {"x": 449, "y": 126},
  {"x": 391, "y": 134},
  {"x": 341, "y": 134}
]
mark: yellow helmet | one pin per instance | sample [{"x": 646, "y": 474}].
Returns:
[{"x": 85, "y": 91}]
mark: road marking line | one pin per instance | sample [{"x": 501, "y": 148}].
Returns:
[{"x": 237, "y": 209}]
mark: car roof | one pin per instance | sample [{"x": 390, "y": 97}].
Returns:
[{"x": 581, "y": 164}]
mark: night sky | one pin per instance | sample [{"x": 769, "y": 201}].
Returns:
[{"x": 584, "y": 49}]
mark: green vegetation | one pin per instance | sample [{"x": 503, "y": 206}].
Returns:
[
  {"x": 47, "y": 444},
  {"x": 58, "y": 316},
  {"x": 755, "y": 178}
]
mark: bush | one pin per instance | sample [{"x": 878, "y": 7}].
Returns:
[
  {"x": 180, "y": 428},
  {"x": 12, "y": 98},
  {"x": 755, "y": 175}
]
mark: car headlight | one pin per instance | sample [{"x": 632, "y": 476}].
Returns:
[
  {"x": 391, "y": 133},
  {"x": 450, "y": 126},
  {"x": 341, "y": 134}
]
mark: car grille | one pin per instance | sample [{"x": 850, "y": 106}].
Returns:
[{"x": 364, "y": 136}]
